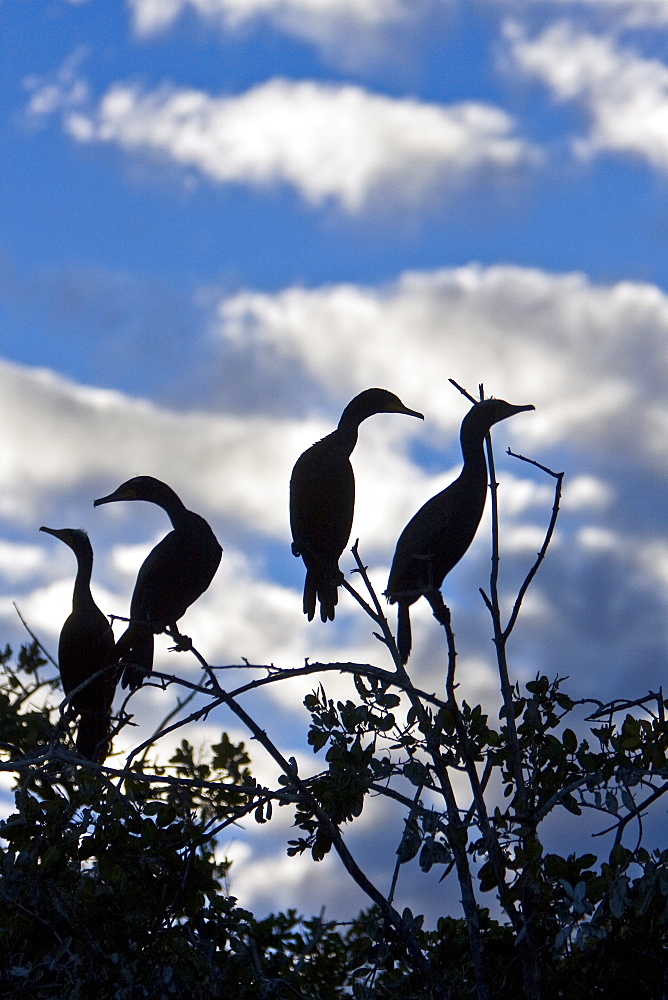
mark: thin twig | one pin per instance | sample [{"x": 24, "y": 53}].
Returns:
[
  {"x": 378, "y": 616},
  {"x": 559, "y": 476},
  {"x": 468, "y": 395},
  {"x": 34, "y": 637}
]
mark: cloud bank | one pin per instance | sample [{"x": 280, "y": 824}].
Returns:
[
  {"x": 592, "y": 358},
  {"x": 331, "y": 143}
]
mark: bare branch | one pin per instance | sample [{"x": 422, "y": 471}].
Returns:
[
  {"x": 34, "y": 637},
  {"x": 559, "y": 476}
]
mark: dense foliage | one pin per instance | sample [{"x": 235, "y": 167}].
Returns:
[{"x": 112, "y": 887}]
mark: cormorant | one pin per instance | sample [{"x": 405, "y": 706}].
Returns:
[
  {"x": 437, "y": 537},
  {"x": 322, "y": 499},
  {"x": 86, "y": 645},
  {"x": 174, "y": 574}
]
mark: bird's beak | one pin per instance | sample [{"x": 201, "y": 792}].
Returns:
[
  {"x": 411, "y": 413},
  {"x": 116, "y": 495},
  {"x": 519, "y": 409},
  {"x": 52, "y": 531}
]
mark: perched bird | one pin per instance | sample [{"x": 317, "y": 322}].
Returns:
[
  {"x": 174, "y": 574},
  {"x": 86, "y": 646},
  {"x": 322, "y": 499},
  {"x": 437, "y": 537}
]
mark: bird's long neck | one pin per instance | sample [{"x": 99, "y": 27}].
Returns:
[
  {"x": 472, "y": 438},
  {"x": 175, "y": 510},
  {"x": 84, "y": 573},
  {"x": 346, "y": 432}
]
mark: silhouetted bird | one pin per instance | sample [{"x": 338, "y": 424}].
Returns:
[
  {"x": 86, "y": 645},
  {"x": 174, "y": 574},
  {"x": 437, "y": 537},
  {"x": 322, "y": 499}
]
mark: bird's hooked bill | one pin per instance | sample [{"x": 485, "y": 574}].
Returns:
[
  {"x": 519, "y": 409},
  {"x": 116, "y": 495}
]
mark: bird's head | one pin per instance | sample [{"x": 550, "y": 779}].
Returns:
[
  {"x": 139, "y": 488},
  {"x": 491, "y": 411},
  {"x": 371, "y": 401},
  {"x": 76, "y": 538},
  {"x": 484, "y": 415}
]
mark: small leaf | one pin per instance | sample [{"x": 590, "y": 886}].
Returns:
[
  {"x": 416, "y": 772},
  {"x": 628, "y": 799},
  {"x": 317, "y": 738},
  {"x": 618, "y": 895},
  {"x": 611, "y": 803},
  {"x": 569, "y": 740},
  {"x": 410, "y": 842}
]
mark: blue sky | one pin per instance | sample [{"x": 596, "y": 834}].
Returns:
[{"x": 221, "y": 219}]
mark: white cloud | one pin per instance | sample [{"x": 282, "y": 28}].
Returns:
[
  {"x": 350, "y": 31},
  {"x": 331, "y": 142},
  {"x": 18, "y": 561},
  {"x": 587, "y": 492},
  {"x": 151, "y": 16},
  {"x": 625, "y": 95},
  {"x": 593, "y": 359},
  {"x": 155, "y": 15},
  {"x": 104, "y": 436},
  {"x": 594, "y": 537}
]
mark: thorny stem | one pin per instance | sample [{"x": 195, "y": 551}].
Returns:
[
  {"x": 274, "y": 675},
  {"x": 457, "y": 834},
  {"x": 479, "y": 806},
  {"x": 469, "y": 902},
  {"x": 458, "y": 831},
  {"x": 358, "y": 669},
  {"x": 499, "y": 639},
  {"x": 376, "y": 615},
  {"x": 624, "y": 821},
  {"x": 457, "y": 840},
  {"x": 559, "y": 476},
  {"x": 531, "y": 970},
  {"x": 623, "y": 705}
]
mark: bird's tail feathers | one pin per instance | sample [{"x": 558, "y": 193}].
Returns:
[
  {"x": 404, "y": 637},
  {"x": 328, "y": 595},
  {"x": 320, "y": 586},
  {"x": 135, "y": 652},
  {"x": 93, "y": 735},
  {"x": 309, "y": 595}
]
